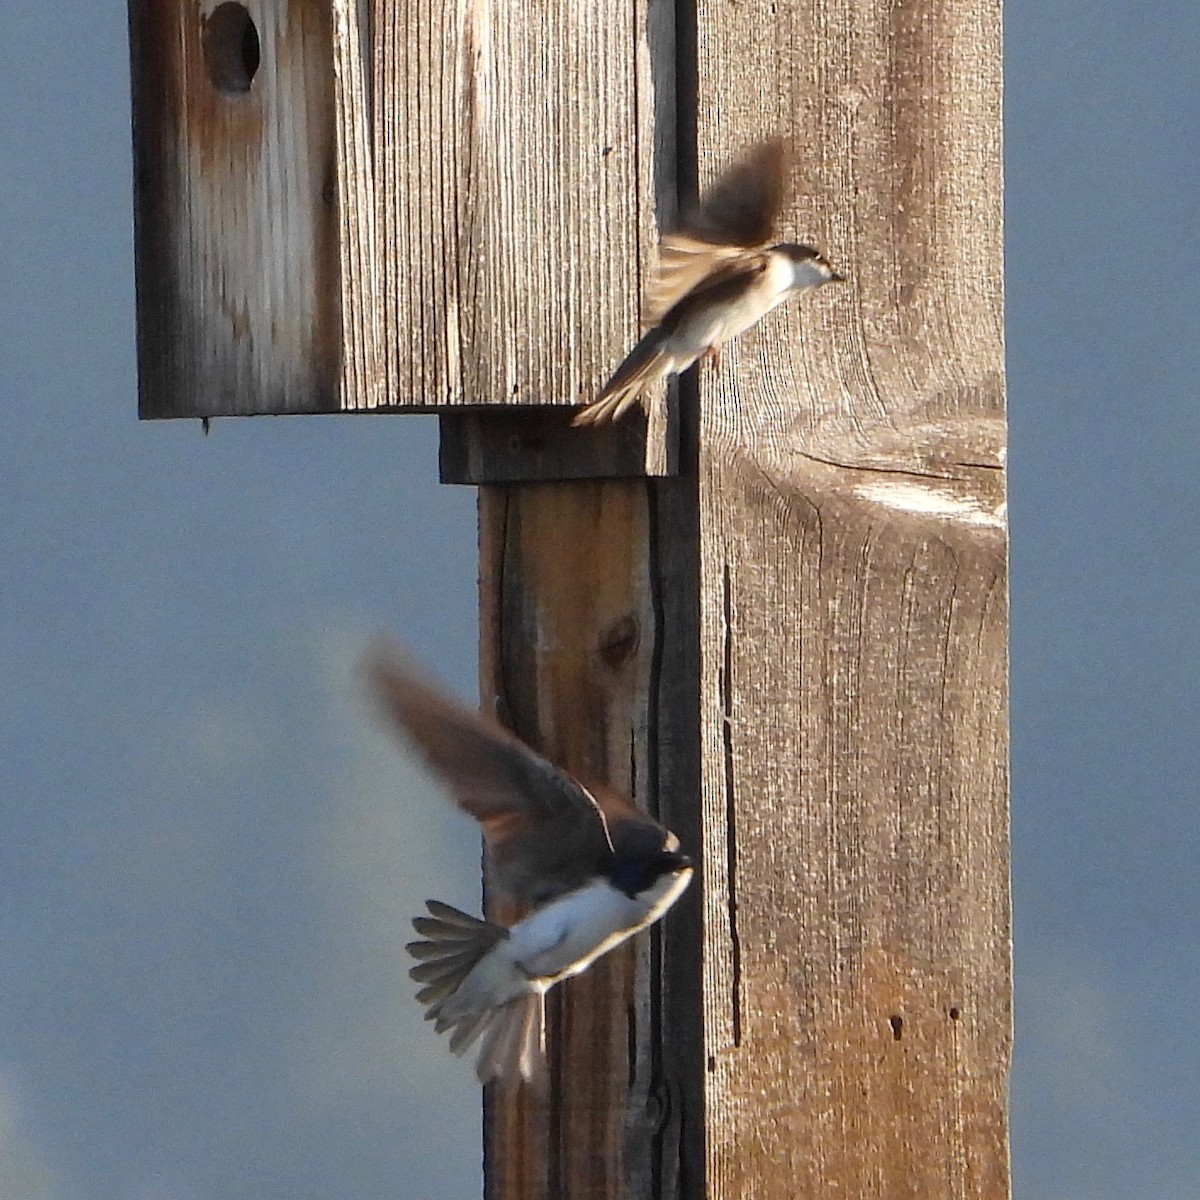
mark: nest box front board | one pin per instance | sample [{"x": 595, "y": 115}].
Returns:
[{"x": 424, "y": 206}]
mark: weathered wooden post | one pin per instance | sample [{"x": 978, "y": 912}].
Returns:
[
  {"x": 853, "y": 623},
  {"x": 794, "y": 648}
]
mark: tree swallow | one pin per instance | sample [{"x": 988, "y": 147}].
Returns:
[
  {"x": 717, "y": 274},
  {"x": 592, "y": 869}
]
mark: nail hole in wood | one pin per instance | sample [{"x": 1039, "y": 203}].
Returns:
[
  {"x": 232, "y": 52},
  {"x": 954, "y": 1014},
  {"x": 897, "y": 1024},
  {"x": 712, "y": 1064}
]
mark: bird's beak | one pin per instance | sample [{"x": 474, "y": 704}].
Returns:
[{"x": 837, "y": 278}]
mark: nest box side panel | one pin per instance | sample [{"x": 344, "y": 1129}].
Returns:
[
  {"x": 238, "y": 262},
  {"x": 516, "y": 179}
]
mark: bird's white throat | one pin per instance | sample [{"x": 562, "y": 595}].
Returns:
[{"x": 805, "y": 274}]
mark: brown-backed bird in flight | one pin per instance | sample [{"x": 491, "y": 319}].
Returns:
[{"x": 717, "y": 274}]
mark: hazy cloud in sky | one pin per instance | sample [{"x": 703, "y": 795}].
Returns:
[{"x": 24, "y": 1171}]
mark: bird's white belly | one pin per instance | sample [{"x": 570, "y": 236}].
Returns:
[
  {"x": 560, "y": 940},
  {"x": 713, "y": 326},
  {"x": 566, "y": 935}
]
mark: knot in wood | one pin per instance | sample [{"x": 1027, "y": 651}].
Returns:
[
  {"x": 658, "y": 1105},
  {"x": 619, "y": 642}
]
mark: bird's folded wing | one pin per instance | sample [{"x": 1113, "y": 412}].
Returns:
[{"x": 685, "y": 264}]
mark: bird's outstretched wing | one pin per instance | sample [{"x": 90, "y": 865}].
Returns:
[
  {"x": 546, "y": 833},
  {"x": 735, "y": 218}
]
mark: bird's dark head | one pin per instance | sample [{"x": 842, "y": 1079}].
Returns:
[
  {"x": 657, "y": 870},
  {"x": 809, "y": 266}
]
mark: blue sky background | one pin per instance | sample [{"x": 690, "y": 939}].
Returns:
[{"x": 209, "y": 855}]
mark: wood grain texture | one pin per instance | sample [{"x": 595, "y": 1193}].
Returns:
[
  {"x": 252, "y": 214},
  {"x": 857, "y": 988},
  {"x": 576, "y": 656},
  {"x": 409, "y": 206},
  {"x": 363, "y": 375},
  {"x": 517, "y": 445},
  {"x": 510, "y": 444},
  {"x": 515, "y": 152}
]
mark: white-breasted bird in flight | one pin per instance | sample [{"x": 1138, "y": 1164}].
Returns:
[{"x": 592, "y": 868}]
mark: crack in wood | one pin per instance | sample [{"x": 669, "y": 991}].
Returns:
[
  {"x": 735, "y": 945},
  {"x": 631, "y": 1044},
  {"x": 654, "y": 552},
  {"x": 633, "y": 771},
  {"x": 501, "y": 705},
  {"x": 910, "y": 472}
]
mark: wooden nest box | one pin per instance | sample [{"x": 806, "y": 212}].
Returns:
[{"x": 346, "y": 207}]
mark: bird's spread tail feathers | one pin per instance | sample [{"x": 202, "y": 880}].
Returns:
[
  {"x": 514, "y": 1043},
  {"x": 641, "y": 370},
  {"x": 512, "y": 1033}
]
